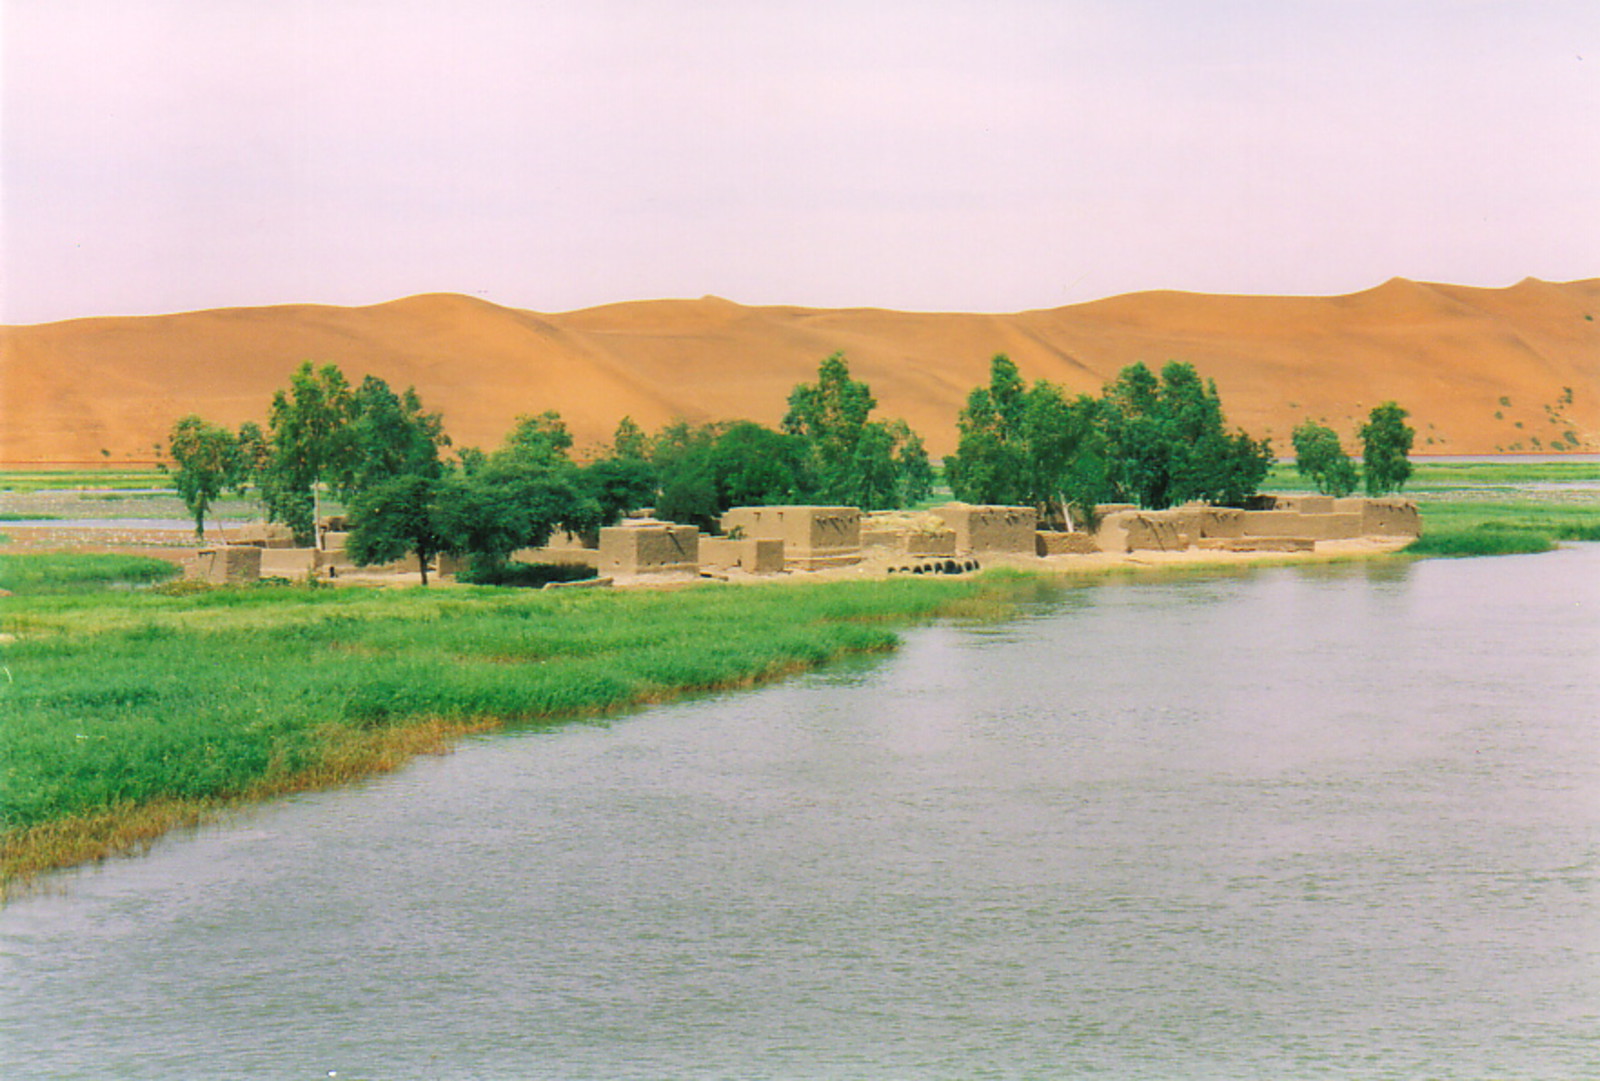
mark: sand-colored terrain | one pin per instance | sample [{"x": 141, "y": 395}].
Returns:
[{"x": 1482, "y": 370}]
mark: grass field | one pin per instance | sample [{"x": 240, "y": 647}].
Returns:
[{"x": 111, "y": 479}]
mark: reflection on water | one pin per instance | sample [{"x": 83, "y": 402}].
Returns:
[{"x": 1333, "y": 820}]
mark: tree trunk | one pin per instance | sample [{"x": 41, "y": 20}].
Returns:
[{"x": 422, "y": 564}]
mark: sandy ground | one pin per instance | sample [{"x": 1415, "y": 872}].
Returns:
[
  {"x": 179, "y": 547},
  {"x": 1480, "y": 369}
]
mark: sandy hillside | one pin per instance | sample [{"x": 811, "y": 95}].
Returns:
[{"x": 1482, "y": 370}]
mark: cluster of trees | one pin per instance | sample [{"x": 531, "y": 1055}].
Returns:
[
  {"x": 829, "y": 450},
  {"x": 1385, "y": 454},
  {"x": 1151, "y": 440},
  {"x": 381, "y": 454},
  {"x": 1154, "y": 441}
]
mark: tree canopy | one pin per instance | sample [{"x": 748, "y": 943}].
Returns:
[
  {"x": 1321, "y": 459},
  {"x": 855, "y": 461},
  {"x": 1386, "y": 448},
  {"x": 208, "y": 461},
  {"x": 1166, "y": 442}
]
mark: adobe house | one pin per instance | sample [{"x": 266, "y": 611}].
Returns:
[
  {"x": 813, "y": 537},
  {"x": 990, "y": 528},
  {"x": 649, "y": 549}
]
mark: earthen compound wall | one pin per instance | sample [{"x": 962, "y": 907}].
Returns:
[{"x": 750, "y": 554}]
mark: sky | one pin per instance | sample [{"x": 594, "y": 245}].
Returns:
[{"x": 171, "y": 155}]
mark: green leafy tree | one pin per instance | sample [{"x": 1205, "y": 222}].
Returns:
[
  {"x": 389, "y": 435},
  {"x": 1321, "y": 459},
  {"x": 409, "y": 513},
  {"x": 311, "y": 444},
  {"x": 684, "y": 457},
  {"x": 1166, "y": 441},
  {"x": 855, "y": 461},
  {"x": 618, "y": 485},
  {"x": 540, "y": 439},
  {"x": 1022, "y": 445},
  {"x": 208, "y": 462},
  {"x": 754, "y": 466},
  {"x": 1386, "y": 449},
  {"x": 913, "y": 470},
  {"x": 629, "y": 442}
]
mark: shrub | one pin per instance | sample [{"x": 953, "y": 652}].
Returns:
[{"x": 527, "y": 575}]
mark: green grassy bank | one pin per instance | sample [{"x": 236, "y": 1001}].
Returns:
[
  {"x": 125, "y": 714},
  {"x": 1491, "y": 508}
]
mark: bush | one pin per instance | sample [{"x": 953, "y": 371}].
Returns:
[{"x": 526, "y": 575}]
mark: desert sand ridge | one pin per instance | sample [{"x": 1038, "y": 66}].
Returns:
[{"x": 1454, "y": 355}]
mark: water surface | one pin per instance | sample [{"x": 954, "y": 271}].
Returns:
[{"x": 1332, "y": 821}]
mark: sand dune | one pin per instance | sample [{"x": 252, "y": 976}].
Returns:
[{"x": 1453, "y": 355}]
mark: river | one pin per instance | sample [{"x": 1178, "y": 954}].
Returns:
[{"x": 1327, "y": 821}]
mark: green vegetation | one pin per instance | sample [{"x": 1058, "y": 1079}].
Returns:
[
  {"x": 1479, "y": 542},
  {"x": 856, "y": 462},
  {"x": 1473, "y": 479},
  {"x": 1151, "y": 441},
  {"x": 14, "y": 517},
  {"x": 40, "y": 573},
  {"x": 1029, "y": 445},
  {"x": 208, "y": 461},
  {"x": 1320, "y": 458},
  {"x": 196, "y": 699},
  {"x": 1386, "y": 441},
  {"x": 43, "y": 480}
]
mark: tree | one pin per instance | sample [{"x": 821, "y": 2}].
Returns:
[
  {"x": 629, "y": 442},
  {"x": 1386, "y": 449},
  {"x": 539, "y": 440},
  {"x": 1027, "y": 445},
  {"x": 753, "y": 466},
  {"x": 991, "y": 459},
  {"x": 310, "y": 424},
  {"x": 1167, "y": 444},
  {"x": 389, "y": 435},
  {"x": 913, "y": 470},
  {"x": 409, "y": 513},
  {"x": 208, "y": 460},
  {"x": 684, "y": 459},
  {"x": 1320, "y": 458}
]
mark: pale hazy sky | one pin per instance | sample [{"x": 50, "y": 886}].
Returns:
[{"x": 162, "y": 155}]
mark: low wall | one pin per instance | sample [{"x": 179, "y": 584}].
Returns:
[
  {"x": 1140, "y": 530},
  {"x": 1386, "y": 516},
  {"x": 750, "y": 554},
  {"x": 1293, "y": 523},
  {"x": 229, "y": 565},
  {"x": 288, "y": 562},
  {"x": 1054, "y": 543}
]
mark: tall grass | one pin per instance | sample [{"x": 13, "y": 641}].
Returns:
[
  {"x": 122, "y": 709},
  {"x": 36, "y": 573},
  {"x": 1480, "y": 542}
]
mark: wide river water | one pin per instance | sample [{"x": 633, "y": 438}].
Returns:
[{"x": 1334, "y": 821}]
